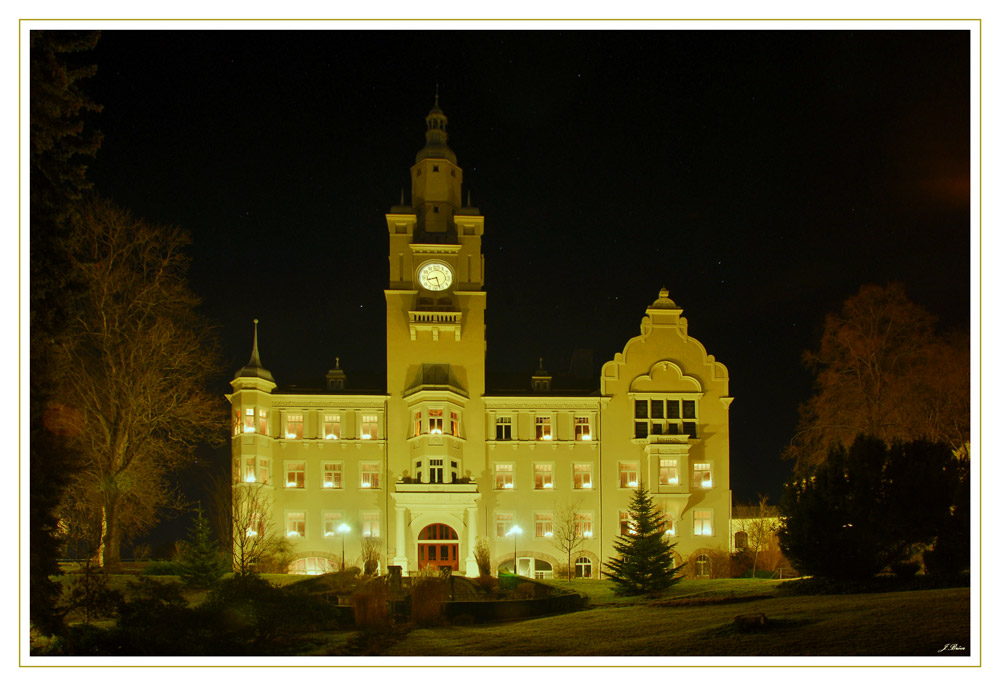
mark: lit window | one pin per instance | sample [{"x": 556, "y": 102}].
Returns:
[
  {"x": 296, "y": 525},
  {"x": 263, "y": 470},
  {"x": 505, "y": 520},
  {"x": 582, "y": 476},
  {"x": 669, "y": 474},
  {"x": 293, "y": 426},
  {"x": 370, "y": 525},
  {"x": 262, "y": 422},
  {"x": 504, "y": 475},
  {"x": 369, "y": 475},
  {"x": 543, "y": 428},
  {"x": 582, "y": 425},
  {"x": 702, "y": 522},
  {"x": 584, "y": 525},
  {"x": 435, "y": 421},
  {"x": 504, "y": 428},
  {"x": 249, "y": 470},
  {"x": 331, "y": 426},
  {"x": 417, "y": 424},
  {"x": 625, "y": 524},
  {"x": 255, "y": 524},
  {"x": 333, "y": 475},
  {"x": 702, "y": 475},
  {"x": 584, "y": 568},
  {"x": 668, "y": 525},
  {"x": 332, "y": 520},
  {"x": 454, "y": 425},
  {"x": 249, "y": 426},
  {"x": 295, "y": 474},
  {"x": 543, "y": 525},
  {"x": 628, "y": 474},
  {"x": 369, "y": 427},
  {"x": 543, "y": 476}
]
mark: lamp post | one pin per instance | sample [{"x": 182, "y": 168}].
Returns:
[
  {"x": 514, "y": 531},
  {"x": 343, "y": 530}
]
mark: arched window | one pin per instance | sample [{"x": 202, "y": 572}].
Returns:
[
  {"x": 438, "y": 532},
  {"x": 740, "y": 540},
  {"x": 584, "y": 568},
  {"x": 311, "y": 566},
  {"x": 543, "y": 570}
]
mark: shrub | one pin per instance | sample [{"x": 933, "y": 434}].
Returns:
[
  {"x": 371, "y": 605},
  {"x": 905, "y": 570},
  {"x": 487, "y": 583},
  {"x": 428, "y": 592},
  {"x": 201, "y": 563},
  {"x": 482, "y": 553}
]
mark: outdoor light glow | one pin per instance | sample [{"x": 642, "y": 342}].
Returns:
[
  {"x": 343, "y": 528},
  {"x": 514, "y": 530}
]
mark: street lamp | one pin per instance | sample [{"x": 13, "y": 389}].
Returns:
[
  {"x": 515, "y": 530},
  {"x": 343, "y": 530}
]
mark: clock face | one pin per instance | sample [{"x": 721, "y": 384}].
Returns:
[{"x": 435, "y": 276}]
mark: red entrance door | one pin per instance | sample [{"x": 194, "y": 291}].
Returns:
[{"x": 437, "y": 547}]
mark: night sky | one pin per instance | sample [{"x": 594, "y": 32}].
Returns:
[{"x": 761, "y": 176}]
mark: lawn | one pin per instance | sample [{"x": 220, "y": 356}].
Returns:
[{"x": 689, "y": 622}]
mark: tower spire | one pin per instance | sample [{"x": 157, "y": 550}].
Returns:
[{"x": 254, "y": 367}]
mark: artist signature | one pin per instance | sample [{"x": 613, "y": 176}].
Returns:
[{"x": 951, "y": 647}]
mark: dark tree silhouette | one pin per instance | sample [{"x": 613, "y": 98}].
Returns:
[{"x": 644, "y": 563}]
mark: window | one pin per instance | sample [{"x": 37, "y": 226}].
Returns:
[
  {"x": 454, "y": 424},
  {"x": 543, "y": 428},
  {"x": 702, "y": 567},
  {"x": 582, "y": 476},
  {"x": 369, "y": 427},
  {"x": 628, "y": 474},
  {"x": 543, "y": 476},
  {"x": 584, "y": 568},
  {"x": 642, "y": 409},
  {"x": 370, "y": 525},
  {"x": 668, "y": 525},
  {"x": 369, "y": 474},
  {"x": 249, "y": 470},
  {"x": 740, "y": 540},
  {"x": 293, "y": 426},
  {"x": 264, "y": 470},
  {"x": 435, "y": 421},
  {"x": 249, "y": 426},
  {"x": 702, "y": 475},
  {"x": 702, "y": 522},
  {"x": 504, "y": 475},
  {"x": 582, "y": 426},
  {"x": 673, "y": 409},
  {"x": 333, "y": 475},
  {"x": 669, "y": 474},
  {"x": 331, "y": 521},
  {"x": 504, "y": 426},
  {"x": 543, "y": 525},
  {"x": 625, "y": 524},
  {"x": 641, "y": 429},
  {"x": 583, "y": 522},
  {"x": 417, "y": 423},
  {"x": 295, "y": 474},
  {"x": 656, "y": 409},
  {"x": 296, "y": 524},
  {"x": 505, "y": 520},
  {"x": 331, "y": 426},
  {"x": 437, "y": 470}
]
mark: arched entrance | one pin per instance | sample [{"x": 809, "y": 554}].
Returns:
[{"x": 437, "y": 548}]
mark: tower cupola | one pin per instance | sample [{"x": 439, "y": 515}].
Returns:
[
  {"x": 436, "y": 146},
  {"x": 254, "y": 369}
]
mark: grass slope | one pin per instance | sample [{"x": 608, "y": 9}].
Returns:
[{"x": 915, "y": 623}]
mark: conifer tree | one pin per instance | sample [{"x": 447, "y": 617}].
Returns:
[
  {"x": 202, "y": 563},
  {"x": 644, "y": 563}
]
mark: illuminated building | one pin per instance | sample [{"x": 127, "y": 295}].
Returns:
[{"x": 440, "y": 460}]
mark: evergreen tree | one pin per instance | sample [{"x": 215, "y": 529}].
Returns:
[
  {"x": 644, "y": 563},
  {"x": 202, "y": 564}
]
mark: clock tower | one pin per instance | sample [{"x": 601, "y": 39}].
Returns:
[{"x": 435, "y": 359}]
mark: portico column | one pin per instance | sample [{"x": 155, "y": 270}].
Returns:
[
  {"x": 400, "y": 558},
  {"x": 472, "y": 515}
]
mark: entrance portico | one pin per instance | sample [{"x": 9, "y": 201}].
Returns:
[{"x": 419, "y": 506}]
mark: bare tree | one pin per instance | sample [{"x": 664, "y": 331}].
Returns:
[
  {"x": 132, "y": 368},
  {"x": 254, "y": 535},
  {"x": 568, "y": 532},
  {"x": 482, "y": 553},
  {"x": 371, "y": 553},
  {"x": 758, "y": 523}
]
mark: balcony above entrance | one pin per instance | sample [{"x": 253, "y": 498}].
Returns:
[{"x": 460, "y": 487}]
